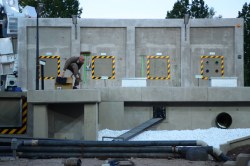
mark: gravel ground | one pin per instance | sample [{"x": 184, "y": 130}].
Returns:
[{"x": 97, "y": 162}]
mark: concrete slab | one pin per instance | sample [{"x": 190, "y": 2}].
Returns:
[
  {"x": 174, "y": 94},
  {"x": 12, "y": 94},
  {"x": 40, "y": 121},
  {"x": 123, "y": 94},
  {"x": 90, "y": 122},
  {"x": 230, "y": 163},
  {"x": 242, "y": 159},
  {"x": 229, "y": 94},
  {"x": 64, "y": 96},
  {"x": 234, "y": 144}
]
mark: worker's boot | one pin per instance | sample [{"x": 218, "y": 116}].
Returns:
[{"x": 78, "y": 77}]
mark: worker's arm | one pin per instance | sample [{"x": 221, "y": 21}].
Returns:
[{"x": 63, "y": 73}]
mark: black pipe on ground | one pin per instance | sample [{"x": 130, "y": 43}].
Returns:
[
  {"x": 49, "y": 149},
  {"x": 108, "y": 143},
  {"x": 97, "y": 155},
  {"x": 79, "y": 147},
  {"x": 90, "y": 149}
]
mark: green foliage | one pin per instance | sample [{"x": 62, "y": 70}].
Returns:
[
  {"x": 56, "y": 8},
  {"x": 179, "y": 10},
  {"x": 198, "y": 9},
  {"x": 245, "y": 13}
]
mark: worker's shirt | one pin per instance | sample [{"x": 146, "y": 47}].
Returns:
[{"x": 71, "y": 60}]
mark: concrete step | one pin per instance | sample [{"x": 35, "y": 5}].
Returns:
[
  {"x": 242, "y": 159},
  {"x": 229, "y": 163}
]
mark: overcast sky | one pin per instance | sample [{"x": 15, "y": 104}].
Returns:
[{"x": 151, "y": 9}]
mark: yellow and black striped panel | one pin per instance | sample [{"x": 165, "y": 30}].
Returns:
[
  {"x": 213, "y": 56},
  {"x": 23, "y": 128},
  {"x": 93, "y": 66},
  {"x": 148, "y": 68},
  {"x": 58, "y": 65}
]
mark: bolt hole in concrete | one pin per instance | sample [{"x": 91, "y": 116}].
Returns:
[{"x": 223, "y": 120}]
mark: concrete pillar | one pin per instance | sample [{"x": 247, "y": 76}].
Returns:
[
  {"x": 75, "y": 40},
  {"x": 22, "y": 60},
  {"x": 185, "y": 56},
  {"x": 90, "y": 121},
  {"x": 239, "y": 53},
  {"x": 130, "y": 52},
  {"x": 40, "y": 121}
]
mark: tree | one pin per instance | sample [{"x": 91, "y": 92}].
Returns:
[
  {"x": 245, "y": 13},
  {"x": 211, "y": 13},
  {"x": 56, "y": 8},
  {"x": 179, "y": 10},
  {"x": 198, "y": 9}
]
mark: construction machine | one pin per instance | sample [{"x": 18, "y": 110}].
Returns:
[{"x": 9, "y": 15}]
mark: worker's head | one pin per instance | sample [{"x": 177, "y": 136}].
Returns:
[{"x": 81, "y": 59}]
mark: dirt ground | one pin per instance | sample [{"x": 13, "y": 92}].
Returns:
[{"x": 97, "y": 162}]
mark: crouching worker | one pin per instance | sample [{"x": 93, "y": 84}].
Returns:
[{"x": 74, "y": 64}]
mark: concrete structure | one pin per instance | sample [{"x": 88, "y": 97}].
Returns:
[
  {"x": 177, "y": 61},
  {"x": 130, "y": 42},
  {"x": 237, "y": 143},
  {"x": 65, "y": 114},
  {"x": 125, "y": 108}
]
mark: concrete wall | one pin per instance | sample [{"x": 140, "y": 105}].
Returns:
[
  {"x": 130, "y": 41},
  {"x": 163, "y": 41},
  {"x": 108, "y": 41},
  {"x": 16, "y": 115},
  {"x": 213, "y": 41},
  {"x": 66, "y": 121},
  {"x": 89, "y": 111},
  {"x": 80, "y": 114},
  {"x": 189, "y": 104},
  {"x": 186, "y": 108},
  {"x": 183, "y": 117},
  {"x": 73, "y": 115}
]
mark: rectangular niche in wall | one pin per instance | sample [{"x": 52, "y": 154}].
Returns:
[
  {"x": 13, "y": 115},
  {"x": 52, "y": 67},
  {"x": 66, "y": 120},
  {"x": 212, "y": 66},
  {"x": 158, "y": 67},
  {"x": 103, "y": 67}
]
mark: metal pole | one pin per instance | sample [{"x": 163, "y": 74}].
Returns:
[
  {"x": 142, "y": 66},
  {"x": 75, "y": 32},
  {"x": 185, "y": 32},
  {"x": 42, "y": 75},
  {"x": 37, "y": 48}
]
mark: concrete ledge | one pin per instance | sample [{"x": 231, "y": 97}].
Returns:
[
  {"x": 12, "y": 94},
  {"x": 242, "y": 159},
  {"x": 122, "y": 94},
  {"x": 229, "y": 163},
  {"x": 229, "y": 94},
  {"x": 234, "y": 144},
  {"x": 175, "y": 94},
  {"x": 64, "y": 96}
]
